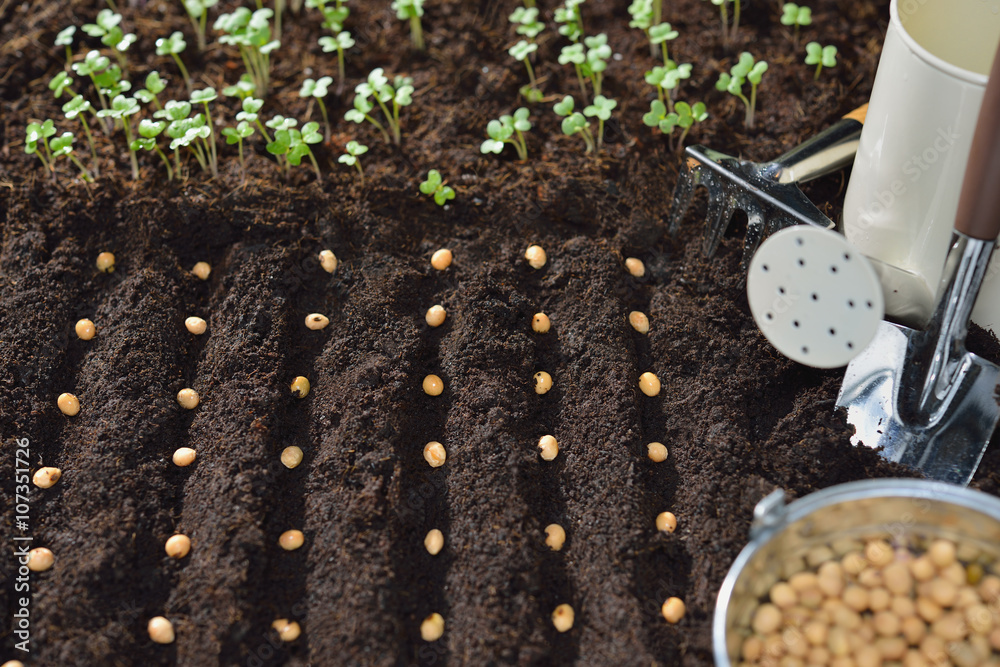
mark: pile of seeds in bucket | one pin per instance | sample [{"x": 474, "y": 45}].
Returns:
[{"x": 868, "y": 604}]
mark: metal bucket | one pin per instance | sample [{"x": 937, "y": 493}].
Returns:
[{"x": 781, "y": 534}]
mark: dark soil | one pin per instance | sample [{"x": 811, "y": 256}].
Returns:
[{"x": 739, "y": 420}]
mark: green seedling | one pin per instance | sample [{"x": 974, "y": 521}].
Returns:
[
  {"x": 434, "y": 186},
  {"x": 174, "y": 46},
  {"x": 571, "y": 18},
  {"x": 65, "y": 39},
  {"x": 667, "y": 80},
  {"x": 121, "y": 108},
  {"x": 522, "y": 51},
  {"x": 526, "y": 20},
  {"x": 61, "y": 82},
  {"x": 645, "y": 15},
  {"x": 78, "y": 108},
  {"x": 197, "y": 11},
  {"x": 111, "y": 83},
  {"x": 744, "y": 70},
  {"x": 660, "y": 35},
  {"x": 242, "y": 89},
  {"x": 106, "y": 27},
  {"x": 251, "y": 33},
  {"x": 186, "y": 133},
  {"x": 795, "y": 16},
  {"x": 727, "y": 33},
  {"x": 333, "y": 16},
  {"x": 351, "y": 158},
  {"x": 508, "y": 130},
  {"x": 598, "y": 55},
  {"x": 377, "y": 86},
  {"x": 820, "y": 56},
  {"x": 38, "y": 133},
  {"x": 62, "y": 146},
  {"x": 318, "y": 90},
  {"x": 574, "y": 54},
  {"x": 411, "y": 10},
  {"x": 293, "y": 144},
  {"x": 148, "y": 131},
  {"x": 339, "y": 43},
  {"x": 236, "y": 135},
  {"x": 203, "y": 97},
  {"x": 249, "y": 114},
  {"x": 683, "y": 116},
  {"x": 601, "y": 108},
  {"x": 92, "y": 65},
  {"x": 154, "y": 86},
  {"x": 574, "y": 122}
]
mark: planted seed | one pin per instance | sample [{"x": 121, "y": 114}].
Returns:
[
  {"x": 328, "y": 261},
  {"x": 657, "y": 452},
  {"x": 178, "y": 546},
  {"x": 45, "y": 478},
  {"x": 287, "y": 630},
  {"x": 635, "y": 267},
  {"x": 13, "y": 663},
  {"x": 543, "y": 382},
  {"x": 649, "y": 384},
  {"x": 85, "y": 329},
  {"x": 555, "y": 536},
  {"x": 160, "y": 630},
  {"x": 69, "y": 404},
  {"x": 291, "y": 457},
  {"x": 316, "y": 321},
  {"x": 202, "y": 269},
  {"x": 673, "y": 610},
  {"x": 435, "y": 316},
  {"x": 188, "y": 398},
  {"x": 300, "y": 387},
  {"x": 666, "y": 521},
  {"x": 535, "y": 256},
  {"x": 549, "y": 447},
  {"x": 40, "y": 559},
  {"x": 184, "y": 456},
  {"x": 434, "y": 454},
  {"x": 433, "y": 385},
  {"x": 434, "y": 541},
  {"x": 105, "y": 262},
  {"x": 540, "y": 323},
  {"x": 196, "y": 325},
  {"x": 563, "y": 617},
  {"x": 432, "y": 627},
  {"x": 441, "y": 259},
  {"x": 639, "y": 321},
  {"x": 291, "y": 540}
]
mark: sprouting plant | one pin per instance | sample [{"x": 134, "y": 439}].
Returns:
[
  {"x": 645, "y": 14},
  {"x": 333, "y": 16},
  {"x": 522, "y": 51},
  {"x": 203, "y": 97},
  {"x": 795, "y": 15},
  {"x": 184, "y": 131},
  {"x": 820, "y": 56},
  {"x": 598, "y": 55},
  {"x": 744, "y": 70},
  {"x": 727, "y": 33},
  {"x": 174, "y": 46},
  {"x": 92, "y": 65},
  {"x": 293, "y": 144},
  {"x": 65, "y": 38},
  {"x": 148, "y": 131},
  {"x": 411, "y": 10},
  {"x": 339, "y": 43},
  {"x": 63, "y": 146},
  {"x": 249, "y": 114},
  {"x": 575, "y": 55},
  {"x": 121, "y": 108},
  {"x": 574, "y": 122},
  {"x": 435, "y": 186},
  {"x": 526, "y": 20},
  {"x": 571, "y": 18},
  {"x": 106, "y": 27},
  {"x": 242, "y": 89},
  {"x": 667, "y": 80},
  {"x": 38, "y": 133},
  {"x": 154, "y": 86},
  {"x": 234, "y": 135},
  {"x": 601, "y": 108},
  {"x": 61, "y": 82},
  {"x": 318, "y": 90},
  {"x": 251, "y": 33},
  {"x": 377, "y": 86},
  {"x": 508, "y": 130},
  {"x": 77, "y": 108},
  {"x": 683, "y": 116},
  {"x": 351, "y": 158},
  {"x": 660, "y": 35},
  {"x": 110, "y": 82},
  {"x": 197, "y": 11}
]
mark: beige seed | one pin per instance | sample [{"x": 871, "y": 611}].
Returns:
[
  {"x": 40, "y": 559},
  {"x": 433, "y": 385},
  {"x": 300, "y": 387},
  {"x": 766, "y": 619},
  {"x": 673, "y": 610},
  {"x": 316, "y": 321},
  {"x": 649, "y": 384},
  {"x": 942, "y": 553},
  {"x": 432, "y": 627},
  {"x": 287, "y": 630},
  {"x": 434, "y": 542},
  {"x": 435, "y": 316},
  {"x": 540, "y": 323},
  {"x": 328, "y": 260},
  {"x": 639, "y": 321},
  {"x": 879, "y": 553},
  {"x": 783, "y": 595},
  {"x": 549, "y": 447},
  {"x": 184, "y": 456},
  {"x": 657, "y": 452},
  {"x": 291, "y": 540},
  {"x": 178, "y": 546},
  {"x": 666, "y": 522},
  {"x": 69, "y": 404},
  {"x": 434, "y": 454},
  {"x": 105, "y": 262},
  {"x": 897, "y": 578},
  {"x": 535, "y": 256},
  {"x": 202, "y": 270},
  {"x": 441, "y": 259},
  {"x": 563, "y": 617},
  {"x": 188, "y": 398},
  {"x": 635, "y": 267},
  {"x": 45, "y": 478},
  {"x": 922, "y": 568},
  {"x": 555, "y": 536},
  {"x": 85, "y": 329},
  {"x": 196, "y": 325},
  {"x": 943, "y": 593},
  {"x": 160, "y": 630},
  {"x": 753, "y": 648},
  {"x": 13, "y": 663},
  {"x": 291, "y": 457},
  {"x": 543, "y": 382}
]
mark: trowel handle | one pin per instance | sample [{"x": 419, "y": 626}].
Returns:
[
  {"x": 828, "y": 151},
  {"x": 979, "y": 204}
]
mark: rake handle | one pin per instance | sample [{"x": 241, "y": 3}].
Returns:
[
  {"x": 979, "y": 203},
  {"x": 828, "y": 151}
]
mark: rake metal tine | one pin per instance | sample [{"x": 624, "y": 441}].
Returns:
[
  {"x": 755, "y": 231},
  {"x": 683, "y": 194},
  {"x": 721, "y": 206}
]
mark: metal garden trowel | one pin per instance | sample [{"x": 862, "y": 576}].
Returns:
[{"x": 920, "y": 396}]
